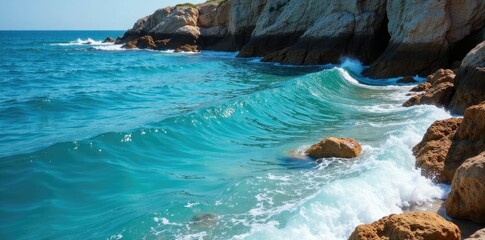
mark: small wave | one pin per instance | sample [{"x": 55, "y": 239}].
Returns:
[{"x": 81, "y": 42}]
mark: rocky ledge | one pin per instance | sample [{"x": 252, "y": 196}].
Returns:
[{"x": 394, "y": 37}]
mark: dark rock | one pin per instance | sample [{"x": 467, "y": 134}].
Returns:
[
  {"x": 407, "y": 79},
  {"x": 109, "y": 40}
]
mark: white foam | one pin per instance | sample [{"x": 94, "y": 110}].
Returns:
[
  {"x": 386, "y": 182},
  {"x": 81, "y": 42}
]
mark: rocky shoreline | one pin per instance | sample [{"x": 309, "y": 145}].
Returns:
[{"x": 395, "y": 38}]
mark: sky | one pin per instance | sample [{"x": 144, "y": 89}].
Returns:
[{"x": 77, "y": 14}]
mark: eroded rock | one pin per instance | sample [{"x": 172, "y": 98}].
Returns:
[
  {"x": 431, "y": 152},
  {"x": 409, "y": 225},
  {"x": 438, "y": 91}
]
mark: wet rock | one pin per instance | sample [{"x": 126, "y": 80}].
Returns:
[
  {"x": 433, "y": 149},
  {"x": 409, "y": 225},
  {"x": 438, "y": 91},
  {"x": 335, "y": 147},
  {"x": 467, "y": 196},
  {"x": 407, "y": 79},
  {"x": 421, "y": 87},
  {"x": 145, "y": 42},
  {"x": 109, "y": 40}
]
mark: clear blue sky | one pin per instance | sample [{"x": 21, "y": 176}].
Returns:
[{"x": 77, "y": 14}]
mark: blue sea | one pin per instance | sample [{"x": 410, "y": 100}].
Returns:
[{"x": 97, "y": 142}]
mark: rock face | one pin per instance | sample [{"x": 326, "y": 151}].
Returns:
[
  {"x": 438, "y": 92},
  {"x": 469, "y": 139},
  {"x": 409, "y": 225},
  {"x": 470, "y": 80},
  {"x": 431, "y": 152},
  {"x": 397, "y": 37},
  {"x": 335, "y": 147},
  {"x": 422, "y": 34},
  {"x": 448, "y": 143},
  {"x": 467, "y": 197}
]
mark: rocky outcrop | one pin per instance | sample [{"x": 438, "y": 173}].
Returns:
[
  {"x": 109, "y": 40},
  {"x": 422, "y": 34},
  {"x": 432, "y": 151},
  {"x": 398, "y": 37},
  {"x": 467, "y": 197},
  {"x": 470, "y": 80},
  {"x": 478, "y": 235},
  {"x": 438, "y": 92},
  {"x": 448, "y": 143},
  {"x": 335, "y": 147},
  {"x": 409, "y": 225}
]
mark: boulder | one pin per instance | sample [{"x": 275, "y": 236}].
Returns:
[
  {"x": 478, "y": 235},
  {"x": 409, "y": 225},
  {"x": 470, "y": 81},
  {"x": 431, "y": 152},
  {"x": 438, "y": 91},
  {"x": 335, "y": 147},
  {"x": 109, "y": 40},
  {"x": 467, "y": 197}
]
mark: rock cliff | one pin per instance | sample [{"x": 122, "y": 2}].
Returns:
[{"x": 396, "y": 37}]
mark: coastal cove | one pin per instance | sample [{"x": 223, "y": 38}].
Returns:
[
  {"x": 207, "y": 145},
  {"x": 238, "y": 119}
]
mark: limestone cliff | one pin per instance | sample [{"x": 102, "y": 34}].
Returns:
[{"x": 394, "y": 37}]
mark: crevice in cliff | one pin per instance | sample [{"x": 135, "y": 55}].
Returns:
[
  {"x": 382, "y": 39},
  {"x": 460, "y": 49}
]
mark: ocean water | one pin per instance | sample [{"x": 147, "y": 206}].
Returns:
[{"x": 97, "y": 142}]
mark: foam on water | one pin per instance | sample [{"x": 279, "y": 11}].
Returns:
[{"x": 197, "y": 146}]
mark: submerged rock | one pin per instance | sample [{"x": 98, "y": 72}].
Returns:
[
  {"x": 204, "y": 220},
  {"x": 409, "y": 225},
  {"x": 467, "y": 196},
  {"x": 335, "y": 147},
  {"x": 431, "y": 152}
]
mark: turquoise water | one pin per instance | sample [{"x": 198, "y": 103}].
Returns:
[{"x": 97, "y": 142}]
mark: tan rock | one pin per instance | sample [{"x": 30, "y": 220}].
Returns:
[
  {"x": 431, "y": 152},
  {"x": 335, "y": 147},
  {"x": 409, "y": 225},
  {"x": 438, "y": 92},
  {"x": 467, "y": 196},
  {"x": 469, "y": 139},
  {"x": 421, "y": 87}
]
